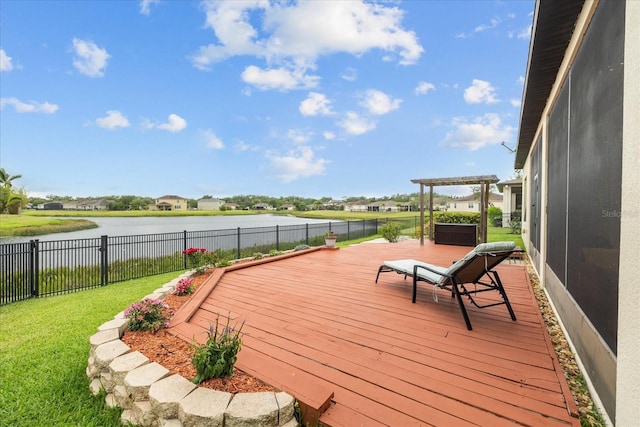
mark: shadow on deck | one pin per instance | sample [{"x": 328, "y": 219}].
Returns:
[{"x": 356, "y": 353}]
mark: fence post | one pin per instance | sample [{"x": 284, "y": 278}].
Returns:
[
  {"x": 184, "y": 248},
  {"x": 238, "y": 242},
  {"x": 34, "y": 267},
  {"x": 306, "y": 238},
  {"x": 277, "y": 237},
  {"x": 104, "y": 261}
]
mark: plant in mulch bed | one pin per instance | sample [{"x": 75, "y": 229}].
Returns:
[
  {"x": 148, "y": 315},
  {"x": 217, "y": 357},
  {"x": 184, "y": 287}
]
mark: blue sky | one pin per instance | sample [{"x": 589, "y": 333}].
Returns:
[{"x": 279, "y": 98}]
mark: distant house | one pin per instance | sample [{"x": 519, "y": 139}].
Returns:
[
  {"x": 472, "y": 203},
  {"x": 52, "y": 206},
  {"x": 511, "y": 200},
  {"x": 383, "y": 206},
  {"x": 170, "y": 203},
  {"x": 357, "y": 206},
  {"x": 93, "y": 205},
  {"x": 210, "y": 204},
  {"x": 231, "y": 206},
  {"x": 262, "y": 207},
  {"x": 288, "y": 207}
]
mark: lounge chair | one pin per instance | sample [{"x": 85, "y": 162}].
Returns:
[{"x": 476, "y": 268}]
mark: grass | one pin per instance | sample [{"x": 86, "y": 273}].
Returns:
[
  {"x": 20, "y": 225},
  {"x": 44, "y": 347},
  {"x": 499, "y": 234}
]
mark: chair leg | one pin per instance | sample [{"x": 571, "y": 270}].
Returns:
[
  {"x": 379, "y": 271},
  {"x": 415, "y": 289},
  {"x": 461, "y": 304},
  {"x": 504, "y": 294}
]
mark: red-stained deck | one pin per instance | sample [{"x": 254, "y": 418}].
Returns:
[{"x": 361, "y": 354}]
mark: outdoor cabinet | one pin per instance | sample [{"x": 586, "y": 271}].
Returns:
[{"x": 456, "y": 234}]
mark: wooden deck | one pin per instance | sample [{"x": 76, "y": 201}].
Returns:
[{"x": 357, "y": 353}]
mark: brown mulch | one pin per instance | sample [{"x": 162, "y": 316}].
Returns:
[
  {"x": 589, "y": 415},
  {"x": 175, "y": 354}
]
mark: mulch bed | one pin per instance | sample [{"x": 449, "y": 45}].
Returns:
[{"x": 175, "y": 354}]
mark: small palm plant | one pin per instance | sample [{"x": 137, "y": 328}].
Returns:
[{"x": 217, "y": 357}]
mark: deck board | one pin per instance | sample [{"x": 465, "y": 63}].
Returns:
[{"x": 317, "y": 324}]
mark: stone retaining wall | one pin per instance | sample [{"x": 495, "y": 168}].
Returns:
[{"x": 151, "y": 397}]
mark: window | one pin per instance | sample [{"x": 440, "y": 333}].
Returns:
[{"x": 471, "y": 205}]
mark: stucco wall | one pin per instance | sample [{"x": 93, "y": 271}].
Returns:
[{"x": 628, "y": 376}]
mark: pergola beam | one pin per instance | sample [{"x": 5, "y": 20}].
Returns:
[{"x": 484, "y": 181}]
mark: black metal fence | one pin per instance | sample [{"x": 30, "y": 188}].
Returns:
[{"x": 41, "y": 268}]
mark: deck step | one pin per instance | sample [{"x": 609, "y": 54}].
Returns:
[{"x": 313, "y": 395}]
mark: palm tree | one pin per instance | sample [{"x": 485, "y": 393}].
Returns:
[{"x": 6, "y": 179}]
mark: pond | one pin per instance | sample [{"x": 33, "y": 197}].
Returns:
[{"x": 128, "y": 226}]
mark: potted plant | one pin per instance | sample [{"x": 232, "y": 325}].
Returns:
[{"x": 330, "y": 238}]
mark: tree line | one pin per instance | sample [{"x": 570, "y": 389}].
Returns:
[{"x": 13, "y": 199}]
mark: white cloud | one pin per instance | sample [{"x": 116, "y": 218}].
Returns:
[
  {"x": 6, "y": 62},
  {"x": 145, "y": 6},
  {"x": 298, "y": 163},
  {"x": 423, "y": 88},
  {"x": 29, "y": 107},
  {"x": 515, "y": 102},
  {"x": 90, "y": 59},
  {"x": 211, "y": 140},
  {"x": 298, "y": 136},
  {"x": 316, "y": 103},
  {"x": 175, "y": 123},
  {"x": 377, "y": 102},
  {"x": 483, "y": 27},
  {"x": 329, "y": 135},
  {"x": 278, "y": 78},
  {"x": 479, "y": 92},
  {"x": 243, "y": 146},
  {"x": 114, "y": 119},
  {"x": 293, "y": 35},
  {"x": 350, "y": 74},
  {"x": 524, "y": 33},
  {"x": 353, "y": 124},
  {"x": 480, "y": 132}
]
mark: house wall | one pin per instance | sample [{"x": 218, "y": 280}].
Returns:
[
  {"x": 581, "y": 200},
  {"x": 177, "y": 204},
  {"x": 210, "y": 204}
]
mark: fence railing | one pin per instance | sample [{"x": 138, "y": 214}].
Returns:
[{"x": 41, "y": 268}]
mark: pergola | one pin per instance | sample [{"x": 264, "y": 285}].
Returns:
[{"x": 484, "y": 181}]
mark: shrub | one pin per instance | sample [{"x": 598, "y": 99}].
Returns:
[
  {"x": 494, "y": 215},
  {"x": 148, "y": 315},
  {"x": 516, "y": 226},
  {"x": 200, "y": 258},
  {"x": 217, "y": 357},
  {"x": 391, "y": 231},
  {"x": 184, "y": 287},
  {"x": 457, "y": 217}
]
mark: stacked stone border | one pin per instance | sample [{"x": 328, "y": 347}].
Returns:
[{"x": 151, "y": 397}]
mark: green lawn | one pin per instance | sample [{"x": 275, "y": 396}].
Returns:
[
  {"x": 44, "y": 347},
  {"x": 499, "y": 234},
  {"x": 21, "y": 225}
]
